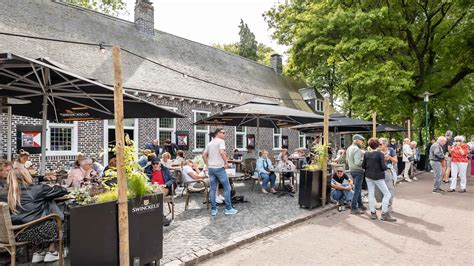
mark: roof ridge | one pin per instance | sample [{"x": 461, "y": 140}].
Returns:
[{"x": 62, "y": 2}]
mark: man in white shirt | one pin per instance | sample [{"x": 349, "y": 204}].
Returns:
[
  {"x": 215, "y": 158},
  {"x": 192, "y": 173}
]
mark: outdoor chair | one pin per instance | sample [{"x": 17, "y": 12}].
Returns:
[
  {"x": 249, "y": 166},
  {"x": 9, "y": 232},
  {"x": 191, "y": 190},
  {"x": 257, "y": 179},
  {"x": 169, "y": 199}
]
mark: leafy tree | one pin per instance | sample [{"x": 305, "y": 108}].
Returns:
[
  {"x": 381, "y": 55},
  {"x": 248, "y": 44},
  {"x": 110, "y": 7}
]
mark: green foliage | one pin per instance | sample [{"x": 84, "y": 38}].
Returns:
[
  {"x": 110, "y": 7},
  {"x": 82, "y": 197},
  {"x": 381, "y": 55},
  {"x": 248, "y": 46},
  {"x": 319, "y": 154},
  {"x": 109, "y": 195}
]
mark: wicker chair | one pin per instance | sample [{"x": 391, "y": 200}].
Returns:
[
  {"x": 249, "y": 166},
  {"x": 192, "y": 190},
  {"x": 9, "y": 232},
  {"x": 257, "y": 179}
]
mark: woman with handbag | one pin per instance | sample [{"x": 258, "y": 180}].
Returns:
[
  {"x": 459, "y": 157},
  {"x": 265, "y": 170},
  {"x": 408, "y": 158}
]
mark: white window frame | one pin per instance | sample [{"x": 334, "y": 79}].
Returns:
[
  {"x": 319, "y": 105},
  {"x": 106, "y": 137},
  {"x": 172, "y": 130},
  {"x": 244, "y": 134},
  {"x": 279, "y": 139},
  {"x": 207, "y": 131},
  {"x": 299, "y": 140},
  {"x": 74, "y": 136}
]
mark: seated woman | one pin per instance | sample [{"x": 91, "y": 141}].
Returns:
[
  {"x": 341, "y": 186},
  {"x": 287, "y": 165},
  {"x": 282, "y": 153},
  {"x": 179, "y": 161},
  {"x": 29, "y": 202},
  {"x": 264, "y": 168},
  {"x": 84, "y": 173},
  {"x": 23, "y": 161},
  {"x": 166, "y": 160},
  {"x": 157, "y": 173},
  {"x": 80, "y": 156}
]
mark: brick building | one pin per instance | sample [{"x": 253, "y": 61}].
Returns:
[{"x": 162, "y": 85}]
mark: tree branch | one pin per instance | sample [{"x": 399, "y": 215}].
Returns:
[
  {"x": 463, "y": 72},
  {"x": 453, "y": 26}
]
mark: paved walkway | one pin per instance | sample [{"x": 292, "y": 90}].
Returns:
[
  {"x": 195, "y": 229},
  {"x": 431, "y": 229}
]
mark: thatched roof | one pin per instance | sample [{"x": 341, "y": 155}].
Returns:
[{"x": 64, "y": 21}]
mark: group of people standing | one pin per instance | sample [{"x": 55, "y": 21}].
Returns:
[{"x": 449, "y": 158}]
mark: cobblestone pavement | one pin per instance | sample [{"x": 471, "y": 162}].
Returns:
[
  {"x": 195, "y": 229},
  {"x": 431, "y": 229}
]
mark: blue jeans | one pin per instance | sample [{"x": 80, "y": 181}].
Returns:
[
  {"x": 342, "y": 196},
  {"x": 219, "y": 175},
  {"x": 358, "y": 178},
  {"x": 371, "y": 183},
  {"x": 266, "y": 178}
]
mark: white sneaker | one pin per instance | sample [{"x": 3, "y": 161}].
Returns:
[
  {"x": 414, "y": 178},
  {"x": 221, "y": 197},
  {"x": 51, "y": 256},
  {"x": 219, "y": 201},
  {"x": 38, "y": 257},
  {"x": 407, "y": 179}
]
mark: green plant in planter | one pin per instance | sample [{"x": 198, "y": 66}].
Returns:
[
  {"x": 136, "y": 178},
  {"x": 319, "y": 154}
]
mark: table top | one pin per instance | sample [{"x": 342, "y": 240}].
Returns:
[
  {"x": 237, "y": 175},
  {"x": 234, "y": 161}
]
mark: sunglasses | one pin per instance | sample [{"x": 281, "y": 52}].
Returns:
[
  {"x": 340, "y": 171},
  {"x": 156, "y": 163}
]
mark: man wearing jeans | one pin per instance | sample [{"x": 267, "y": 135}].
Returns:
[
  {"x": 436, "y": 158},
  {"x": 354, "y": 160},
  {"x": 216, "y": 160}
]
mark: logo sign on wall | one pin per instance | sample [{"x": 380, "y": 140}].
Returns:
[
  {"x": 182, "y": 140},
  {"x": 29, "y": 138},
  {"x": 250, "y": 141},
  {"x": 284, "y": 142}
]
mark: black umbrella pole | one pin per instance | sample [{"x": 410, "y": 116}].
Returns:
[
  {"x": 325, "y": 143},
  {"x": 119, "y": 151},
  {"x": 43, "y": 134}
]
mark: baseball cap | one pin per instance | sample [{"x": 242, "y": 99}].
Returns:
[{"x": 357, "y": 137}]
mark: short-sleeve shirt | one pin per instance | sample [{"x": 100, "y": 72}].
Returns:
[
  {"x": 392, "y": 153},
  {"x": 186, "y": 170},
  {"x": 339, "y": 180},
  {"x": 214, "y": 152},
  {"x": 157, "y": 177}
]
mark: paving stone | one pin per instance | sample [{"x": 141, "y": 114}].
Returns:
[
  {"x": 194, "y": 229},
  {"x": 202, "y": 254},
  {"x": 174, "y": 263},
  {"x": 189, "y": 259}
]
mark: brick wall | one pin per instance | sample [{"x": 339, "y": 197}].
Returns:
[{"x": 91, "y": 133}]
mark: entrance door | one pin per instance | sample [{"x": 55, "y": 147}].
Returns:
[{"x": 130, "y": 127}]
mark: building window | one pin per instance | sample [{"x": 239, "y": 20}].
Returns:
[
  {"x": 61, "y": 139},
  {"x": 277, "y": 138},
  {"x": 166, "y": 128},
  {"x": 319, "y": 105},
  {"x": 302, "y": 140},
  {"x": 201, "y": 133},
  {"x": 240, "y": 133},
  {"x": 343, "y": 142}
]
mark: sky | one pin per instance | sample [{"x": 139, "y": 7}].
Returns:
[{"x": 211, "y": 21}]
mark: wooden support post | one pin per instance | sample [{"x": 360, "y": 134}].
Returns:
[
  {"x": 119, "y": 151},
  {"x": 325, "y": 143},
  {"x": 374, "y": 124},
  {"x": 409, "y": 129}
]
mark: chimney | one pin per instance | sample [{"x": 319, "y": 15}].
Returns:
[
  {"x": 276, "y": 63},
  {"x": 144, "y": 17}
]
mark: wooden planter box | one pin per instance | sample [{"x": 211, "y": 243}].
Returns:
[
  {"x": 310, "y": 189},
  {"x": 94, "y": 232}
]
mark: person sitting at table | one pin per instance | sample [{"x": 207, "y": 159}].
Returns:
[
  {"x": 98, "y": 167},
  {"x": 191, "y": 173},
  {"x": 282, "y": 153},
  {"x": 166, "y": 160},
  {"x": 157, "y": 173},
  {"x": 250, "y": 154},
  {"x": 82, "y": 174},
  {"x": 28, "y": 202},
  {"x": 286, "y": 166},
  {"x": 341, "y": 188},
  {"x": 51, "y": 176},
  {"x": 265, "y": 170},
  {"x": 80, "y": 156},
  {"x": 170, "y": 148},
  {"x": 23, "y": 161},
  {"x": 179, "y": 161},
  {"x": 144, "y": 158}
]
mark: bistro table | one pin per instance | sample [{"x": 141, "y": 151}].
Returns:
[
  {"x": 283, "y": 190},
  {"x": 238, "y": 164}
]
